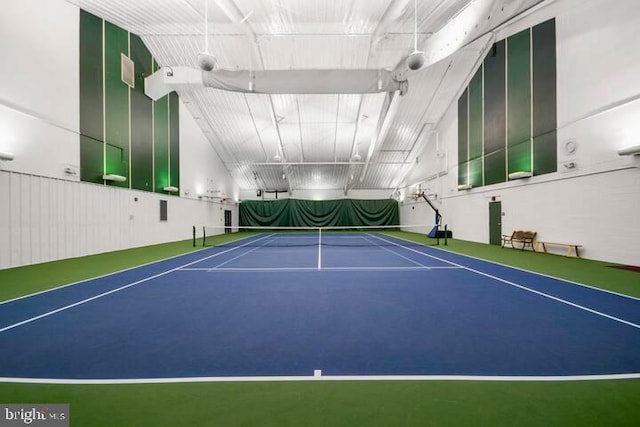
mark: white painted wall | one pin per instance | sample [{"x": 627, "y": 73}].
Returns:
[
  {"x": 44, "y": 219},
  {"x": 202, "y": 173},
  {"x": 46, "y": 214},
  {"x": 39, "y": 89},
  {"x": 597, "y": 203}
]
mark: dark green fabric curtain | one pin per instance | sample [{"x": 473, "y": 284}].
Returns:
[{"x": 313, "y": 213}]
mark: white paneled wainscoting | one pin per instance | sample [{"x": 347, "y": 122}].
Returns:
[{"x": 45, "y": 219}]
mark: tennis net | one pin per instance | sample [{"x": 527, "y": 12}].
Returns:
[{"x": 357, "y": 236}]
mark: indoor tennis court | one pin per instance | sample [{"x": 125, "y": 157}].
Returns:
[
  {"x": 342, "y": 304},
  {"x": 319, "y": 213}
]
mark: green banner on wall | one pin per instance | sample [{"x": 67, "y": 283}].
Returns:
[{"x": 314, "y": 213}]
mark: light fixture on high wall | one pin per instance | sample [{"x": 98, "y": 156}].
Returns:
[
  {"x": 113, "y": 177},
  {"x": 462, "y": 187},
  {"x": 171, "y": 189},
  {"x": 520, "y": 175},
  {"x": 629, "y": 151},
  {"x": 7, "y": 156}
]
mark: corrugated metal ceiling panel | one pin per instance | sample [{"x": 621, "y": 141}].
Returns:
[{"x": 248, "y": 130}]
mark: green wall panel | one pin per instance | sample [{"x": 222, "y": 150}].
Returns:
[
  {"x": 544, "y": 98},
  {"x": 463, "y": 137},
  {"x": 507, "y": 116},
  {"x": 544, "y": 150},
  {"x": 116, "y": 103},
  {"x": 174, "y": 140},
  {"x": 122, "y": 130},
  {"x": 141, "y": 119},
  {"x": 519, "y": 102},
  {"x": 91, "y": 100},
  {"x": 495, "y": 115},
  {"x": 475, "y": 129},
  {"x": 161, "y": 143}
]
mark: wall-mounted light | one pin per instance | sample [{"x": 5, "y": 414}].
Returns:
[
  {"x": 520, "y": 175},
  {"x": 113, "y": 177},
  {"x": 7, "y": 156},
  {"x": 171, "y": 189},
  {"x": 465, "y": 187},
  {"x": 629, "y": 151}
]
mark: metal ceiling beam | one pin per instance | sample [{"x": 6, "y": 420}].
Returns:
[
  {"x": 389, "y": 109},
  {"x": 300, "y": 130},
  {"x": 235, "y": 15},
  {"x": 393, "y": 12},
  {"x": 272, "y": 110},
  {"x": 335, "y": 134},
  {"x": 255, "y": 125},
  {"x": 354, "y": 145},
  {"x": 478, "y": 18}
]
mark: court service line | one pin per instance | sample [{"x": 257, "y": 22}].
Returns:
[
  {"x": 563, "y": 301},
  {"x": 354, "y": 268},
  {"x": 86, "y": 300},
  {"x": 496, "y": 378}
]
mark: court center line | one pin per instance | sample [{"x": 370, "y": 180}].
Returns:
[
  {"x": 320, "y": 249},
  {"x": 86, "y": 300},
  {"x": 563, "y": 301}
]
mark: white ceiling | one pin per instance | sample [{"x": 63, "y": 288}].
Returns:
[{"x": 316, "y": 137}]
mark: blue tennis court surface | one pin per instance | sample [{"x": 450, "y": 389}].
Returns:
[{"x": 286, "y": 306}]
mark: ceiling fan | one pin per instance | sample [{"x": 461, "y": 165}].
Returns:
[
  {"x": 206, "y": 61},
  {"x": 416, "y": 59}
]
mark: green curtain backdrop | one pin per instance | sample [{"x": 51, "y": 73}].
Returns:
[{"x": 314, "y": 213}]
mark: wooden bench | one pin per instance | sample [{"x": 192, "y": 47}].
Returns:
[
  {"x": 526, "y": 238},
  {"x": 570, "y": 247}
]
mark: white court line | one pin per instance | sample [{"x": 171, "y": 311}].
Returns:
[
  {"x": 243, "y": 254},
  {"x": 320, "y": 249},
  {"x": 264, "y": 269},
  {"x": 113, "y": 273},
  {"x": 581, "y": 307},
  {"x": 395, "y": 253},
  {"x": 84, "y": 301},
  {"x": 496, "y": 378},
  {"x": 607, "y": 291}
]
